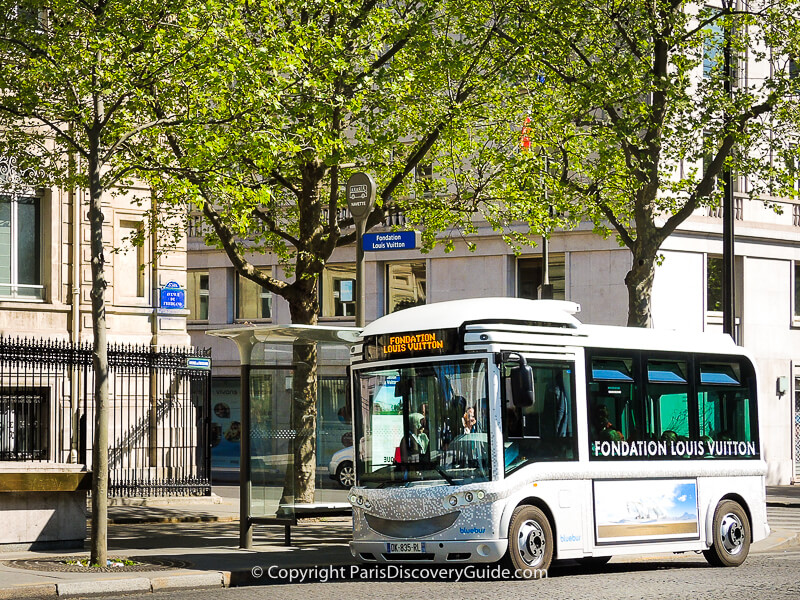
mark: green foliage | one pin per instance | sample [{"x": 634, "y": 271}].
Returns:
[
  {"x": 628, "y": 121},
  {"x": 634, "y": 113},
  {"x": 304, "y": 94},
  {"x": 75, "y": 77}
]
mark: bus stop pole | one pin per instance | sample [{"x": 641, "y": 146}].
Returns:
[
  {"x": 361, "y": 290},
  {"x": 360, "y": 192},
  {"x": 245, "y": 525}
]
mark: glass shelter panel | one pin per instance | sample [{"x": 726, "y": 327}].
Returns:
[
  {"x": 271, "y": 437},
  {"x": 274, "y": 439}
]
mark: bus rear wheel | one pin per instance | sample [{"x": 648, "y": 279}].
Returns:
[
  {"x": 530, "y": 542},
  {"x": 730, "y": 536}
]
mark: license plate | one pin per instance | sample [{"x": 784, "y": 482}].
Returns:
[{"x": 405, "y": 547}]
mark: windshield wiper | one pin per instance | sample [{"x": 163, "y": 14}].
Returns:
[{"x": 443, "y": 472}]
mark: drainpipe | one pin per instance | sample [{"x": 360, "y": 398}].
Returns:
[
  {"x": 75, "y": 311},
  {"x": 154, "y": 299}
]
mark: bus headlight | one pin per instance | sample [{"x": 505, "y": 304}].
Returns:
[
  {"x": 453, "y": 500},
  {"x": 481, "y": 494},
  {"x": 468, "y": 497}
]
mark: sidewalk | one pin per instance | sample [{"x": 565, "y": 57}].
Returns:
[
  {"x": 193, "y": 543},
  {"x": 188, "y": 543}
]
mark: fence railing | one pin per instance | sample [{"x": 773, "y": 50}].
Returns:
[{"x": 159, "y": 413}]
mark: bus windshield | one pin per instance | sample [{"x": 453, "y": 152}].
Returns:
[{"x": 422, "y": 422}]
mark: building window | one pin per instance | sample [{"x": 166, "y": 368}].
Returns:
[
  {"x": 714, "y": 269},
  {"x": 424, "y": 178},
  {"x": 130, "y": 276},
  {"x": 713, "y": 50},
  {"x": 714, "y": 54},
  {"x": 24, "y": 424},
  {"x": 20, "y": 248},
  {"x": 792, "y": 164},
  {"x": 530, "y": 275},
  {"x": 252, "y": 300},
  {"x": 796, "y": 309},
  {"x": 709, "y": 150},
  {"x": 406, "y": 285},
  {"x": 197, "y": 284},
  {"x": 338, "y": 293}
]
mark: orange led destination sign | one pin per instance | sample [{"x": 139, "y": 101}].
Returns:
[
  {"x": 413, "y": 343},
  {"x": 418, "y": 343}
]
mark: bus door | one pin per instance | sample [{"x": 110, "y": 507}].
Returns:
[{"x": 546, "y": 432}]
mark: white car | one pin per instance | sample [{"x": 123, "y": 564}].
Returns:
[{"x": 342, "y": 468}]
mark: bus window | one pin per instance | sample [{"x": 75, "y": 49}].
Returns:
[
  {"x": 546, "y": 430},
  {"x": 614, "y": 413},
  {"x": 667, "y": 400},
  {"x": 726, "y": 406}
]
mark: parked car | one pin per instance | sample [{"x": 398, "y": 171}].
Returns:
[{"x": 342, "y": 468}]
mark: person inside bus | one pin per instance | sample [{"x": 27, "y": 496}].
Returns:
[
  {"x": 555, "y": 416},
  {"x": 423, "y": 409},
  {"x": 603, "y": 429},
  {"x": 415, "y": 445},
  {"x": 468, "y": 420}
]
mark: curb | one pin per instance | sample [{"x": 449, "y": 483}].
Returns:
[
  {"x": 178, "y": 519},
  {"x": 206, "y": 580},
  {"x": 784, "y": 503},
  {"x": 790, "y": 542}
]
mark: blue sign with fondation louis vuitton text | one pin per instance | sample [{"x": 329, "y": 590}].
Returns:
[
  {"x": 390, "y": 240},
  {"x": 173, "y": 296}
]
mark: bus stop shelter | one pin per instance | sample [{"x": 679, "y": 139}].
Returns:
[{"x": 267, "y": 463}]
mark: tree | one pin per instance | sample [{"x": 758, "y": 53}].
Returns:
[
  {"x": 630, "y": 123},
  {"x": 72, "y": 77},
  {"x": 316, "y": 91}
]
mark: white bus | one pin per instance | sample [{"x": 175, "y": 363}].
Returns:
[{"x": 504, "y": 428}]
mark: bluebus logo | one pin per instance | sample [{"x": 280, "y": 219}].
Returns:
[
  {"x": 570, "y": 538},
  {"x": 473, "y": 530}
]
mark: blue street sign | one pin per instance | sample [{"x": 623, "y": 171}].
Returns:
[
  {"x": 173, "y": 296},
  {"x": 390, "y": 240},
  {"x": 197, "y": 362}
]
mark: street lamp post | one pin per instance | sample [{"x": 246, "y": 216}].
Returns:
[{"x": 728, "y": 208}]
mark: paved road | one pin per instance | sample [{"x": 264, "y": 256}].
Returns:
[{"x": 683, "y": 577}]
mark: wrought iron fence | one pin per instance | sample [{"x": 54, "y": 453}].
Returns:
[{"x": 159, "y": 413}]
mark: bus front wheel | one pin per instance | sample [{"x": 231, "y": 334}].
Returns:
[
  {"x": 730, "y": 536},
  {"x": 530, "y": 542}
]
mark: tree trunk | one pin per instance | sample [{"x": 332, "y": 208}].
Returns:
[
  {"x": 299, "y": 482},
  {"x": 100, "y": 364},
  {"x": 639, "y": 282}
]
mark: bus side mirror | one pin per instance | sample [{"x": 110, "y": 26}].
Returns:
[
  {"x": 402, "y": 387},
  {"x": 522, "y": 385}
]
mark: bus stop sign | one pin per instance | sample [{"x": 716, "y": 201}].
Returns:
[{"x": 360, "y": 195}]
